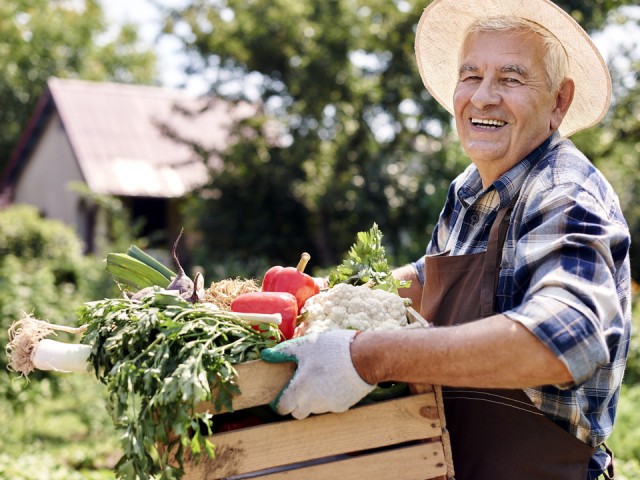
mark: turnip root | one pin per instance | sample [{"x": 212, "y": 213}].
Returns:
[
  {"x": 181, "y": 282},
  {"x": 28, "y": 349}
]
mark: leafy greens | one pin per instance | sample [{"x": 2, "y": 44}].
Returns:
[
  {"x": 366, "y": 263},
  {"x": 159, "y": 358}
]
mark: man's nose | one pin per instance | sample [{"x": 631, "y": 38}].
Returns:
[{"x": 486, "y": 94}]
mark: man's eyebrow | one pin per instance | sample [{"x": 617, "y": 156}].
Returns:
[
  {"x": 509, "y": 68},
  {"x": 467, "y": 68},
  {"x": 515, "y": 68}
]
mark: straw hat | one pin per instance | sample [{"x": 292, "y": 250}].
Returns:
[{"x": 440, "y": 34}]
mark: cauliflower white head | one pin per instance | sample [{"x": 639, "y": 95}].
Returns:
[{"x": 353, "y": 307}]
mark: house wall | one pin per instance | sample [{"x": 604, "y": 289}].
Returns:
[{"x": 46, "y": 175}]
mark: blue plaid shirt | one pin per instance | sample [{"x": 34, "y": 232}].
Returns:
[{"x": 564, "y": 275}]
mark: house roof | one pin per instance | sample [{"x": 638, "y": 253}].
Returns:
[{"x": 118, "y": 135}]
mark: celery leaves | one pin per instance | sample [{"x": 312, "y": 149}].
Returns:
[{"x": 366, "y": 263}]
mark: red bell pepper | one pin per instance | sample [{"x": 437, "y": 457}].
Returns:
[
  {"x": 283, "y": 303},
  {"x": 292, "y": 280}
]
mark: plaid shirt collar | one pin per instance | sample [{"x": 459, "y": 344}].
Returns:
[{"x": 509, "y": 184}]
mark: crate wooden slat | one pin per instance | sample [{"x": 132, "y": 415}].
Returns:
[
  {"x": 415, "y": 462},
  {"x": 408, "y": 463},
  {"x": 259, "y": 383},
  {"x": 320, "y": 436}
]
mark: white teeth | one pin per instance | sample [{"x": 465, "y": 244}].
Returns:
[{"x": 488, "y": 122}]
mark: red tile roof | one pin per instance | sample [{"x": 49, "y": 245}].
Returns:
[{"x": 116, "y": 133}]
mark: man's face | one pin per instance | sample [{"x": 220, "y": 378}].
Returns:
[{"x": 503, "y": 106}]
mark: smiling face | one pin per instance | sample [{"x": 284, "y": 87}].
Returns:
[{"x": 502, "y": 102}]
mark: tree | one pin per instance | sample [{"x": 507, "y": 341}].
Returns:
[
  {"x": 614, "y": 145},
  {"x": 58, "y": 38},
  {"x": 363, "y": 140}
]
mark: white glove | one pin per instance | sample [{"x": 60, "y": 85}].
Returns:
[{"x": 325, "y": 380}]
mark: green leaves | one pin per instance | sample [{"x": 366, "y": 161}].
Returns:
[
  {"x": 160, "y": 358},
  {"x": 366, "y": 262}
]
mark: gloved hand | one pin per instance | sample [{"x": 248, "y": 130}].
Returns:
[{"x": 325, "y": 380}]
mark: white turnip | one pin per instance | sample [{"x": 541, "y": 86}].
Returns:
[{"x": 28, "y": 349}]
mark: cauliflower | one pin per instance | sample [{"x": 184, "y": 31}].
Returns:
[{"x": 353, "y": 307}]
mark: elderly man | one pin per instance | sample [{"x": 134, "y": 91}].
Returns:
[{"x": 527, "y": 274}]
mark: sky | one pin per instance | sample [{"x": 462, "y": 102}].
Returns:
[{"x": 171, "y": 62}]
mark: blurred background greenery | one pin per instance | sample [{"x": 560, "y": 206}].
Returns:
[{"x": 362, "y": 141}]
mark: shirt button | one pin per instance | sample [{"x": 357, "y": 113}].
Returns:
[{"x": 474, "y": 219}]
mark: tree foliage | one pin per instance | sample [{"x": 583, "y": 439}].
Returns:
[
  {"x": 363, "y": 140},
  {"x": 614, "y": 146},
  {"x": 40, "y": 39}
]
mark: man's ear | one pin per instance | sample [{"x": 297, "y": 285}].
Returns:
[{"x": 564, "y": 97}]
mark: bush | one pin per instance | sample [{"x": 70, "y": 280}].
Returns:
[
  {"x": 625, "y": 440},
  {"x": 25, "y": 234},
  {"x": 632, "y": 372},
  {"x": 43, "y": 272},
  {"x": 28, "y": 466}
]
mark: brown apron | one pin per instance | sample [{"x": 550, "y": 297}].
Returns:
[{"x": 496, "y": 434}]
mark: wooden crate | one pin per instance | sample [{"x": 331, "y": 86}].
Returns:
[{"x": 399, "y": 439}]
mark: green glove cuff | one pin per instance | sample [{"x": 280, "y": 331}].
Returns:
[{"x": 275, "y": 355}]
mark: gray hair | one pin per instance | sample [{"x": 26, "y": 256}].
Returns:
[{"x": 556, "y": 60}]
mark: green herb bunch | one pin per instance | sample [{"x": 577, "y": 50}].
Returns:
[
  {"x": 159, "y": 358},
  {"x": 366, "y": 263}
]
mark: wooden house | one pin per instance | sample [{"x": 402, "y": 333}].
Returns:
[{"x": 132, "y": 142}]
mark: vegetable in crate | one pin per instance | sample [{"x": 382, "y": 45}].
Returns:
[
  {"x": 188, "y": 289},
  {"x": 291, "y": 280},
  {"x": 283, "y": 303},
  {"x": 144, "y": 273},
  {"x": 366, "y": 264},
  {"x": 363, "y": 296},
  {"x": 353, "y": 308},
  {"x": 222, "y": 293},
  {"x": 363, "y": 293}
]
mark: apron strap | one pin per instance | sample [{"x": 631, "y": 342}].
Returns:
[
  {"x": 609, "y": 473},
  {"x": 493, "y": 258}
]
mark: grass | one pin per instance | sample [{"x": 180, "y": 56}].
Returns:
[
  {"x": 66, "y": 436},
  {"x": 625, "y": 440}
]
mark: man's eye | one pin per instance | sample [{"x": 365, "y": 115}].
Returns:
[
  {"x": 512, "y": 81},
  {"x": 470, "y": 78}
]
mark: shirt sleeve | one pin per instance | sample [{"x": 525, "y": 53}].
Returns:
[{"x": 570, "y": 250}]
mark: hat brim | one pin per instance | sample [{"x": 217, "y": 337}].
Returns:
[{"x": 441, "y": 31}]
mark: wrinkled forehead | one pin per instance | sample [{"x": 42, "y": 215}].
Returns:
[{"x": 517, "y": 45}]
